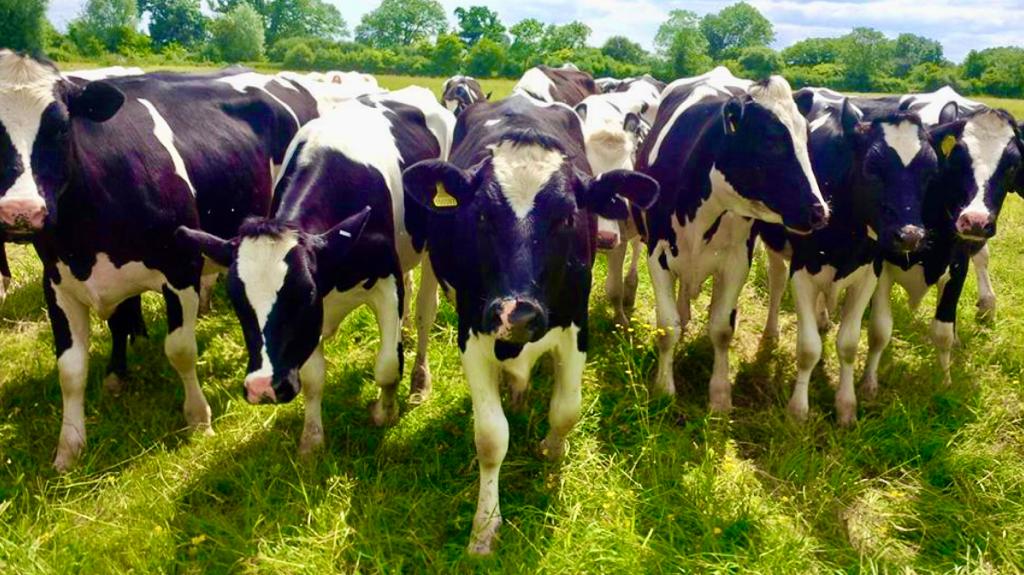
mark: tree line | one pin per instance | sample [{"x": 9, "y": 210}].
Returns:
[{"x": 415, "y": 37}]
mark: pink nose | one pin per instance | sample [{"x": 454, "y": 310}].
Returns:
[
  {"x": 972, "y": 223},
  {"x": 27, "y": 213},
  {"x": 607, "y": 240},
  {"x": 259, "y": 388}
]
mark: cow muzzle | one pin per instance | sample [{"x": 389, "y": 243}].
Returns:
[
  {"x": 909, "y": 239},
  {"x": 265, "y": 389},
  {"x": 515, "y": 320},
  {"x": 22, "y": 215},
  {"x": 974, "y": 225}
]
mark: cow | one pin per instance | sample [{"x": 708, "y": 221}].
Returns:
[
  {"x": 5, "y": 271},
  {"x": 340, "y": 236},
  {"x": 725, "y": 152},
  {"x": 612, "y": 85},
  {"x": 566, "y": 85},
  {"x": 99, "y": 178},
  {"x": 874, "y": 176},
  {"x": 613, "y": 128},
  {"x": 459, "y": 92},
  {"x": 980, "y": 153},
  {"x": 512, "y": 236}
]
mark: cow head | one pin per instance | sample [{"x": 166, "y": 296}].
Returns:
[
  {"x": 277, "y": 279},
  {"x": 893, "y": 165},
  {"x": 37, "y": 108},
  {"x": 524, "y": 227},
  {"x": 764, "y": 162},
  {"x": 980, "y": 157},
  {"x": 459, "y": 92}
]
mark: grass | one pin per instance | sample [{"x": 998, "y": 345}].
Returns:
[{"x": 931, "y": 479}]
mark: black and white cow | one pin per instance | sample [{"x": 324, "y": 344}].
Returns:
[
  {"x": 611, "y": 85},
  {"x": 459, "y": 92},
  {"x": 726, "y": 152},
  {"x": 566, "y": 85},
  {"x": 980, "y": 156},
  {"x": 101, "y": 176},
  {"x": 513, "y": 234},
  {"x": 613, "y": 129},
  {"x": 340, "y": 237},
  {"x": 874, "y": 176}
]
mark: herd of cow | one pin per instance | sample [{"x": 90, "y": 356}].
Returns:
[{"x": 316, "y": 194}]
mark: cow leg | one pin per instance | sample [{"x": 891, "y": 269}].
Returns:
[
  {"x": 313, "y": 374},
  {"x": 206, "y": 285},
  {"x": 407, "y": 284},
  {"x": 180, "y": 348},
  {"x": 566, "y": 397},
  {"x": 632, "y": 278},
  {"x": 426, "y": 313},
  {"x": 669, "y": 328},
  {"x": 5, "y": 272},
  {"x": 490, "y": 428},
  {"x": 721, "y": 326},
  {"x": 879, "y": 333},
  {"x": 126, "y": 323},
  {"x": 613, "y": 283},
  {"x": 808, "y": 341},
  {"x": 777, "y": 276},
  {"x": 387, "y": 305},
  {"x": 986, "y": 295},
  {"x": 857, "y": 298},
  {"x": 822, "y": 307},
  {"x": 944, "y": 325},
  {"x": 69, "y": 319}
]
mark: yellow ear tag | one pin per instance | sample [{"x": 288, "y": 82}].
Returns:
[
  {"x": 732, "y": 125},
  {"x": 442, "y": 199},
  {"x": 947, "y": 145}
]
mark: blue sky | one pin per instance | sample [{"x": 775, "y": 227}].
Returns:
[{"x": 961, "y": 25}]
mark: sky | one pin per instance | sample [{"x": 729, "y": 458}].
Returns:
[{"x": 961, "y": 25}]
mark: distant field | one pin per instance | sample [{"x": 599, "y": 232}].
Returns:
[{"x": 930, "y": 480}]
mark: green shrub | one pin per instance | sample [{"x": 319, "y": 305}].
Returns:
[{"x": 300, "y": 57}]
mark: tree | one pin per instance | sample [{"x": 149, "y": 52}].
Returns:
[
  {"x": 486, "y": 59},
  {"x": 734, "y": 28},
  {"x": 175, "y": 22},
  {"x": 525, "y": 49},
  {"x": 624, "y": 50},
  {"x": 401, "y": 22},
  {"x": 760, "y": 62},
  {"x": 681, "y": 45},
  {"x": 448, "y": 53},
  {"x": 292, "y": 18},
  {"x": 912, "y": 50},
  {"x": 238, "y": 35},
  {"x": 812, "y": 51},
  {"x": 22, "y": 23},
  {"x": 866, "y": 55},
  {"x": 480, "y": 22},
  {"x": 109, "y": 21},
  {"x": 571, "y": 36}
]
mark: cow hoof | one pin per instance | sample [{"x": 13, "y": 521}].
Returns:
[
  {"x": 113, "y": 384},
  {"x": 798, "y": 410},
  {"x": 770, "y": 339},
  {"x": 552, "y": 449},
  {"x": 312, "y": 441},
  {"x": 664, "y": 387},
  {"x": 383, "y": 415},
  {"x": 846, "y": 413},
  {"x": 721, "y": 399},
  {"x": 629, "y": 297},
  {"x": 199, "y": 418},
  {"x": 621, "y": 319},
  {"x": 421, "y": 386},
  {"x": 986, "y": 310},
  {"x": 70, "y": 447},
  {"x": 869, "y": 387},
  {"x": 481, "y": 543}
]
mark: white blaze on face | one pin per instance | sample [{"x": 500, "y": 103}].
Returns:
[
  {"x": 522, "y": 171},
  {"x": 777, "y": 97},
  {"x": 608, "y": 145},
  {"x": 904, "y": 139},
  {"x": 26, "y": 90},
  {"x": 262, "y": 269},
  {"x": 165, "y": 136},
  {"x": 985, "y": 136}
]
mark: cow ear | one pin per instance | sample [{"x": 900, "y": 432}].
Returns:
[
  {"x": 222, "y": 252},
  {"x": 804, "y": 101},
  {"x": 437, "y": 185},
  {"x": 581, "y": 111},
  {"x": 488, "y": 97},
  {"x": 632, "y": 123},
  {"x": 611, "y": 193},
  {"x": 99, "y": 101},
  {"x": 849, "y": 118},
  {"x": 732, "y": 115},
  {"x": 334, "y": 244},
  {"x": 949, "y": 113}
]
